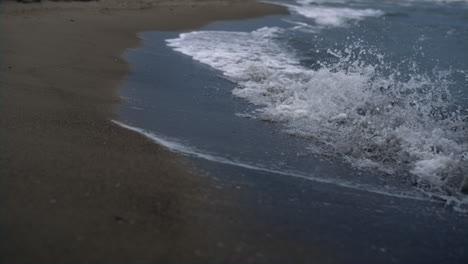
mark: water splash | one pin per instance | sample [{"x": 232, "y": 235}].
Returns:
[{"x": 356, "y": 105}]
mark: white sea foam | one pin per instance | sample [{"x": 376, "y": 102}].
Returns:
[
  {"x": 333, "y": 12},
  {"x": 331, "y": 16},
  {"x": 334, "y": 16},
  {"x": 366, "y": 113}
]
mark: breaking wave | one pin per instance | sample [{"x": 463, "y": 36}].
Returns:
[{"x": 356, "y": 106}]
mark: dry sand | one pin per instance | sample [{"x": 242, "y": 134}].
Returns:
[{"x": 76, "y": 188}]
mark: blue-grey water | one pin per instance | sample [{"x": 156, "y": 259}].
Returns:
[
  {"x": 369, "y": 95},
  {"x": 340, "y": 110}
]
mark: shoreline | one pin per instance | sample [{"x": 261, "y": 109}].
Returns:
[
  {"x": 75, "y": 187},
  {"x": 183, "y": 150},
  {"x": 72, "y": 180}
]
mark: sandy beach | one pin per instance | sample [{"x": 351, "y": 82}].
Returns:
[{"x": 76, "y": 188}]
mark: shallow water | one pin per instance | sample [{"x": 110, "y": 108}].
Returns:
[{"x": 370, "y": 95}]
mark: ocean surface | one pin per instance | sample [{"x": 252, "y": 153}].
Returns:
[{"x": 366, "y": 95}]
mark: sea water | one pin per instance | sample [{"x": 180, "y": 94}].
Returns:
[{"x": 365, "y": 94}]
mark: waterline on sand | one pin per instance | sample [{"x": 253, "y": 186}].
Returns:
[{"x": 177, "y": 147}]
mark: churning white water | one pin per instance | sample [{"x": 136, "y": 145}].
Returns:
[{"x": 355, "y": 103}]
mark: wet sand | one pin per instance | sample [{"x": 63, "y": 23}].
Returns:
[{"x": 77, "y": 188}]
